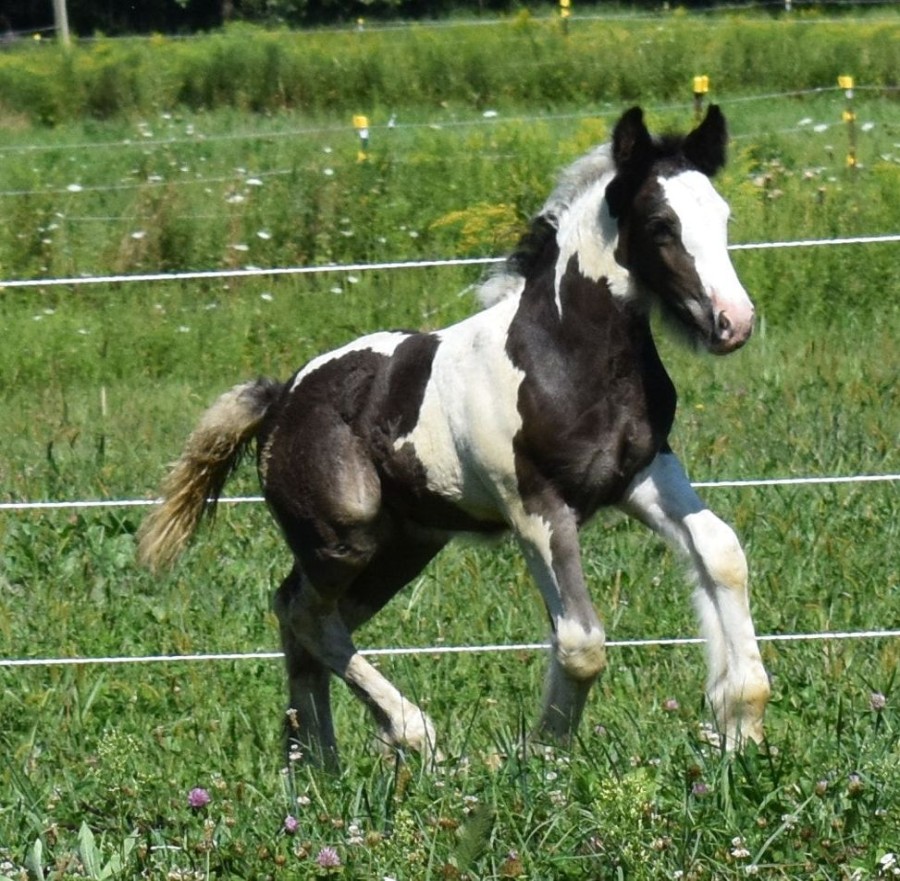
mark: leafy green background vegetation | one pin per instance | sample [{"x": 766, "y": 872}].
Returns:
[
  {"x": 523, "y": 62},
  {"x": 103, "y": 382}
]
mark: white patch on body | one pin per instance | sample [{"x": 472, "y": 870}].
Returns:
[
  {"x": 382, "y": 343},
  {"x": 587, "y": 230},
  {"x": 469, "y": 415}
]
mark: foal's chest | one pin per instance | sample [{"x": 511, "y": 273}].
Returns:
[{"x": 596, "y": 407}]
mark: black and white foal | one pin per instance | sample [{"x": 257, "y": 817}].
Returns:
[{"x": 527, "y": 416}]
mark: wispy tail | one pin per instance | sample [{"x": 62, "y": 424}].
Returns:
[{"x": 192, "y": 487}]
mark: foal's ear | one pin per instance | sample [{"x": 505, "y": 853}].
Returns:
[
  {"x": 632, "y": 149},
  {"x": 631, "y": 142},
  {"x": 705, "y": 146}
]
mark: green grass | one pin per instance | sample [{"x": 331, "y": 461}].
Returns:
[{"x": 102, "y": 383}]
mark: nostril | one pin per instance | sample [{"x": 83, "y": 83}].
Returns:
[{"x": 724, "y": 326}]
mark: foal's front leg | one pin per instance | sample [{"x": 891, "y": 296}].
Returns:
[
  {"x": 550, "y": 544},
  {"x": 738, "y": 688}
]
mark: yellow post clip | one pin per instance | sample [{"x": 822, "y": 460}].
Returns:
[
  {"x": 849, "y": 116},
  {"x": 701, "y": 87},
  {"x": 361, "y": 124},
  {"x": 565, "y": 8}
]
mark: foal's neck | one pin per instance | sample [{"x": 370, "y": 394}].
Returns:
[{"x": 590, "y": 234}]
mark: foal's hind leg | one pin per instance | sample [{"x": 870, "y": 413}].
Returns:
[
  {"x": 396, "y": 564},
  {"x": 316, "y": 631},
  {"x": 315, "y": 624},
  {"x": 308, "y": 724},
  {"x": 738, "y": 687}
]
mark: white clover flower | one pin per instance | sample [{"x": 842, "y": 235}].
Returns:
[
  {"x": 889, "y": 866},
  {"x": 739, "y": 848}
]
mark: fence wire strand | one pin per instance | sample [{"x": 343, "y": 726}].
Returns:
[
  {"x": 436, "y": 650},
  {"x": 749, "y": 483},
  {"x": 74, "y": 281}
]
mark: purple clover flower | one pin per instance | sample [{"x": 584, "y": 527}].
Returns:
[
  {"x": 198, "y": 798},
  {"x": 327, "y": 858},
  {"x": 291, "y": 824}
]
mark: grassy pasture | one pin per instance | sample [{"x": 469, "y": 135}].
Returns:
[{"x": 103, "y": 382}]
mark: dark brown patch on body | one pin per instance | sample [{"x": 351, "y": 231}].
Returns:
[
  {"x": 333, "y": 477},
  {"x": 596, "y": 402}
]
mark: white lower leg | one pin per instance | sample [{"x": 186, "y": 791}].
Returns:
[
  {"x": 401, "y": 722},
  {"x": 738, "y": 687},
  {"x": 739, "y": 697},
  {"x": 579, "y": 656}
]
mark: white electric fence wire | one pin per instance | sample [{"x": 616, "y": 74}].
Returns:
[
  {"x": 249, "y": 273},
  {"x": 239, "y": 500},
  {"x": 438, "y": 649},
  {"x": 144, "y": 143},
  {"x": 390, "y": 265}
]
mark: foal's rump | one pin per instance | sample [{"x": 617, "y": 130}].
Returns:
[{"x": 393, "y": 428}]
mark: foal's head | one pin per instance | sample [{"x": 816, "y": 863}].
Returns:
[{"x": 672, "y": 228}]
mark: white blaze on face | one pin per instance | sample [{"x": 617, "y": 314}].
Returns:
[{"x": 703, "y": 214}]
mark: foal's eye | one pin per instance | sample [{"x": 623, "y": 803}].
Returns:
[{"x": 662, "y": 231}]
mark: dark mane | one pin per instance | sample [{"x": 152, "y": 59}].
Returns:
[
  {"x": 542, "y": 230},
  {"x": 528, "y": 253}
]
